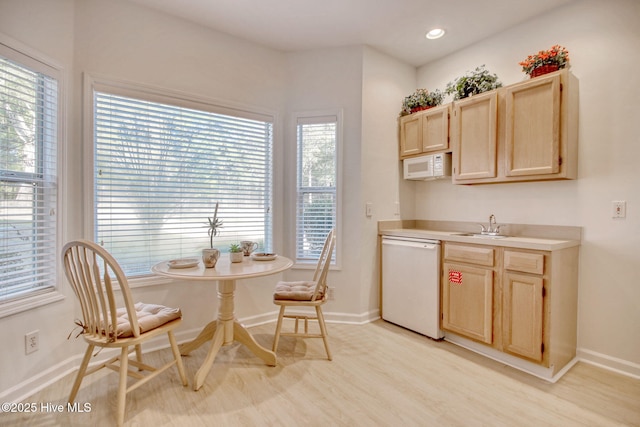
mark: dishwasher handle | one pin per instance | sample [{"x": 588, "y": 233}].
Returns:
[{"x": 413, "y": 243}]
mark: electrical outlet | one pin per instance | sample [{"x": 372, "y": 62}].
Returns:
[
  {"x": 31, "y": 342},
  {"x": 619, "y": 209}
]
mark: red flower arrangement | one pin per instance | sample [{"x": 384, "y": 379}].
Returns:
[{"x": 557, "y": 57}]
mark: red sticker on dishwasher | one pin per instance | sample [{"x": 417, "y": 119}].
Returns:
[{"x": 455, "y": 277}]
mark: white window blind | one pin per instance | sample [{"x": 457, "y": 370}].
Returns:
[
  {"x": 28, "y": 177},
  {"x": 317, "y": 143},
  {"x": 161, "y": 168}
]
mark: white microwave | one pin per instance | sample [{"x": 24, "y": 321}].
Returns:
[{"x": 432, "y": 166}]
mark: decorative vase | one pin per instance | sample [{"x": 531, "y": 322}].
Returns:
[
  {"x": 236, "y": 256},
  {"x": 544, "y": 69},
  {"x": 210, "y": 257}
]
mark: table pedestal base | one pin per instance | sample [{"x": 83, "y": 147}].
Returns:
[{"x": 224, "y": 331}]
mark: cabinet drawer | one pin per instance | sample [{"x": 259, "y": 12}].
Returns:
[
  {"x": 469, "y": 254},
  {"x": 525, "y": 262}
]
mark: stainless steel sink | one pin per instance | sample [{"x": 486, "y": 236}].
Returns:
[{"x": 480, "y": 236}]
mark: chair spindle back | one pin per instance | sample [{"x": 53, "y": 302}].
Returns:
[
  {"x": 322, "y": 268},
  {"x": 90, "y": 270}
]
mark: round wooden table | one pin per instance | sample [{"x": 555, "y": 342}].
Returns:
[{"x": 225, "y": 329}]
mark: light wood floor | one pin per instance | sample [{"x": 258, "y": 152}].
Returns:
[{"x": 381, "y": 375}]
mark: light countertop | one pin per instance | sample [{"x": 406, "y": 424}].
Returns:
[{"x": 521, "y": 242}]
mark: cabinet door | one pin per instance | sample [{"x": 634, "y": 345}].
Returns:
[
  {"x": 522, "y": 310},
  {"x": 410, "y": 135},
  {"x": 532, "y": 127},
  {"x": 474, "y": 130},
  {"x": 467, "y": 301},
  {"x": 435, "y": 129}
]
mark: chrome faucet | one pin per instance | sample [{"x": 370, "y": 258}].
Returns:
[{"x": 493, "y": 229}]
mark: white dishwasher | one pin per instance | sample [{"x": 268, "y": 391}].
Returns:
[{"x": 411, "y": 284}]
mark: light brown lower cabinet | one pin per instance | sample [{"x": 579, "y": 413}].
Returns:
[
  {"x": 517, "y": 301},
  {"x": 467, "y": 293},
  {"x": 522, "y": 315}
]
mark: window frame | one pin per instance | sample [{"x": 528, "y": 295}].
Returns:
[
  {"x": 36, "y": 61},
  {"x": 92, "y": 83},
  {"x": 311, "y": 117}
]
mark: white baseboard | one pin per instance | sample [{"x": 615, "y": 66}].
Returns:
[
  {"x": 614, "y": 364},
  {"x": 23, "y": 390},
  {"x": 352, "y": 319},
  {"x": 330, "y": 317}
]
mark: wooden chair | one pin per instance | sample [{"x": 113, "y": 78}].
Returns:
[
  {"x": 91, "y": 270},
  {"x": 306, "y": 294}
]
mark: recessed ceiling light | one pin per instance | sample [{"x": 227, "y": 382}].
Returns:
[{"x": 436, "y": 33}]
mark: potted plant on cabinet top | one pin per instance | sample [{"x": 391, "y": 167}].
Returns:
[
  {"x": 235, "y": 253},
  {"x": 210, "y": 255},
  {"x": 546, "y": 61},
  {"x": 473, "y": 83},
  {"x": 421, "y": 99}
]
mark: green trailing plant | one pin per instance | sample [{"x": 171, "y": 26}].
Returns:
[
  {"x": 234, "y": 248},
  {"x": 473, "y": 83},
  {"x": 214, "y": 224},
  {"x": 421, "y": 98}
]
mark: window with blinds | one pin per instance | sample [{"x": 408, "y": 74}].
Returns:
[
  {"x": 161, "y": 168},
  {"x": 28, "y": 177},
  {"x": 317, "y": 175}
]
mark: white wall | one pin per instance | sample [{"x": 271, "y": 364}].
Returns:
[
  {"x": 369, "y": 87},
  {"x": 320, "y": 80},
  {"x": 602, "y": 39},
  {"x": 386, "y": 82}
]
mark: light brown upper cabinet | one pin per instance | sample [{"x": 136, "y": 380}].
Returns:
[
  {"x": 524, "y": 132},
  {"x": 426, "y": 131},
  {"x": 532, "y": 127},
  {"x": 475, "y": 121}
]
